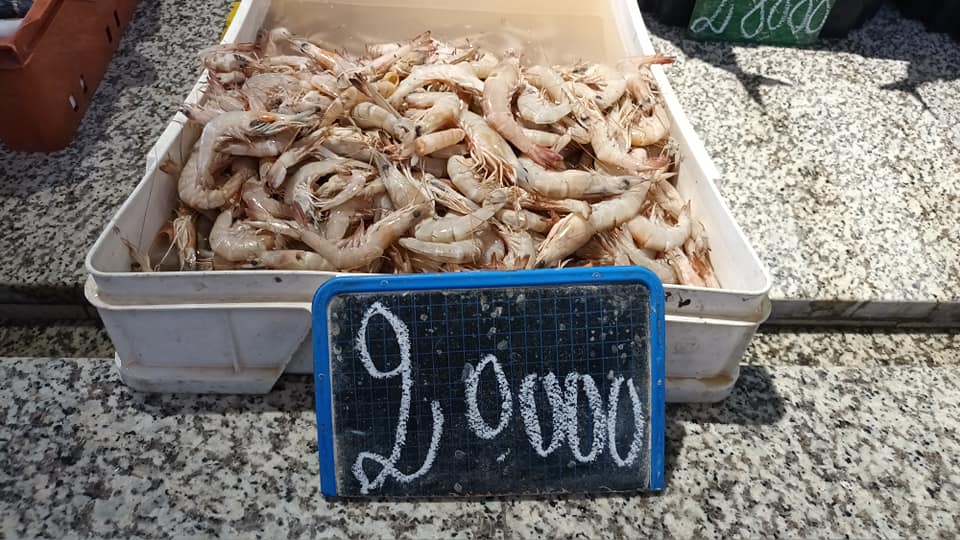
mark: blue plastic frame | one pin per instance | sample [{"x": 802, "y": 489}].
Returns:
[{"x": 485, "y": 280}]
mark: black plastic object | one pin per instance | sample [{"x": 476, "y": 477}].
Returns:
[
  {"x": 936, "y": 15},
  {"x": 847, "y": 15},
  {"x": 672, "y": 12},
  {"x": 10, "y": 9}
]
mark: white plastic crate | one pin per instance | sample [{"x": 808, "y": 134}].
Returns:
[{"x": 256, "y": 324}]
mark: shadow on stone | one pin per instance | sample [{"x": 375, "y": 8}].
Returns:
[
  {"x": 930, "y": 57},
  {"x": 753, "y": 401}
]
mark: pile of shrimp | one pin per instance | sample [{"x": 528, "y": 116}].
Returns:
[{"x": 427, "y": 156}]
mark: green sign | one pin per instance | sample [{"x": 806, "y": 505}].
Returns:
[{"x": 781, "y": 22}]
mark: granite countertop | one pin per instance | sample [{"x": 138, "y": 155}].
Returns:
[
  {"x": 826, "y": 435},
  {"x": 839, "y": 162},
  {"x": 53, "y": 206}
]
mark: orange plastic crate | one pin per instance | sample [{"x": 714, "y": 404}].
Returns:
[{"x": 51, "y": 68}]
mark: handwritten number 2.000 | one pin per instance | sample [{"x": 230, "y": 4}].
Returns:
[
  {"x": 803, "y": 17},
  {"x": 563, "y": 408}
]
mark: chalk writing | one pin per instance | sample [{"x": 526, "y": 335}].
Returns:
[
  {"x": 476, "y": 421},
  {"x": 528, "y": 411},
  {"x": 760, "y": 21},
  {"x": 403, "y": 369},
  {"x": 564, "y": 403}
]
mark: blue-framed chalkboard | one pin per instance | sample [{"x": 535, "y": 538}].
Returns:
[{"x": 488, "y": 383}]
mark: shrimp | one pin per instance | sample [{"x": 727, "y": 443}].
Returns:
[
  {"x": 668, "y": 198},
  {"x": 289, "y": 62},
  {"x": 369, "y": 115},
  {"x": 498, "y": 90},
  {"x": 261, "y": 146},
  {"x": 345, "y": 102},
  {"x": 185, "y": 238},
  {"x": 425, "y": 100},
  {"x": 271, "y": 42},
  {"x": 374, "y": 242},
  {"x": 545, "y": 138},
  {"x": 622, "y": 242},
  {"x": 268, "y": 88},
  {"x": 605, "y": 146},
  {"x": 640, "y": 83},
  {"x": 566, "y": 236},
  {"x": 684, "y": 269},
  {"x": 609, "y": 79},
  {"x": 329, "y": 60},
  {"x": 698, "y": 251},
  {"x": 484, "y": 65},
  {"x": 350, "y": 142},
  {"x": 566, "y": 206},
  {"x": 340, "y": 218},
  {"x": 293, "y": 155},
  {"x": 650, "y": 129},
  {"x": 487, "y": 147},
  {"x": 450, "y": 198},
  {"x": 453, "y": 75},
  {"x": 242, "y": 125},
  {"x": 259, "y": 204},
  {"x": 453, "y": 228},
  {"x": 442, "y": 112},
  {"x": 404, "y": 190},
  {"x": 380, "y": 65},
  {"x": 654, "y": 234},
  {"x": 237, "y": 242},
  {"x": 574, "y": 230},
  {"x": 194, "y": 194},
  {"x": 525, "y": 220},
  {"x": 353, "y": 187},
  {"x": 400, "y": 259},
  {"x": 548, "y": 80},
  {"x": 227, "y": 58},
  {"x": 461, "y": 252},
  {"x": 298, "y": 189},
  {"x": 576, "y": 183},
  {"x": 387, "y": 84},
  {"x": 438, "y": 140},
  {"x": 462, "y": 173},
  {"x": 534, "y": 108},
  {"x": 520, "y": 248},
  {"x": 494, "y": 250}
]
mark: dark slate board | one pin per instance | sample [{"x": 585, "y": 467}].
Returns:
[
  {"x": 782, "y": 22},
  {"x": 451, "y": 343}
]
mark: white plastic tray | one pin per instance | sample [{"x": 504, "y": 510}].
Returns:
[{"x": 707, "y": 329}]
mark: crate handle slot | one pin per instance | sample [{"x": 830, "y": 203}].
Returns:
[
  {"x": 73, "y": 103},
  {"x": 109, "y": 35},
  {"x": 116, "y": 18},
  {"x": 83, "y": 84}
]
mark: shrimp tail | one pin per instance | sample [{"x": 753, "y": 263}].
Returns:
[
  {"x": 546, "y": 157},
  {"x": 423, "y": 42},
  {"x": 657, "y": 59}
]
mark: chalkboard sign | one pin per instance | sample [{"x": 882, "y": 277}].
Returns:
[
  {"x": 489, "y": 383},
  {"x": 781, "y": 22}
]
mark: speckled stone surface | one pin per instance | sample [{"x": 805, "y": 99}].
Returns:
[
  {"x": 861, "y": 348},
  {"x": 840, "y": 160},
  {"x": 795, "y": 451},
  {"x": 71, "y": 339},
  {"x": 53, "y": 206}
]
